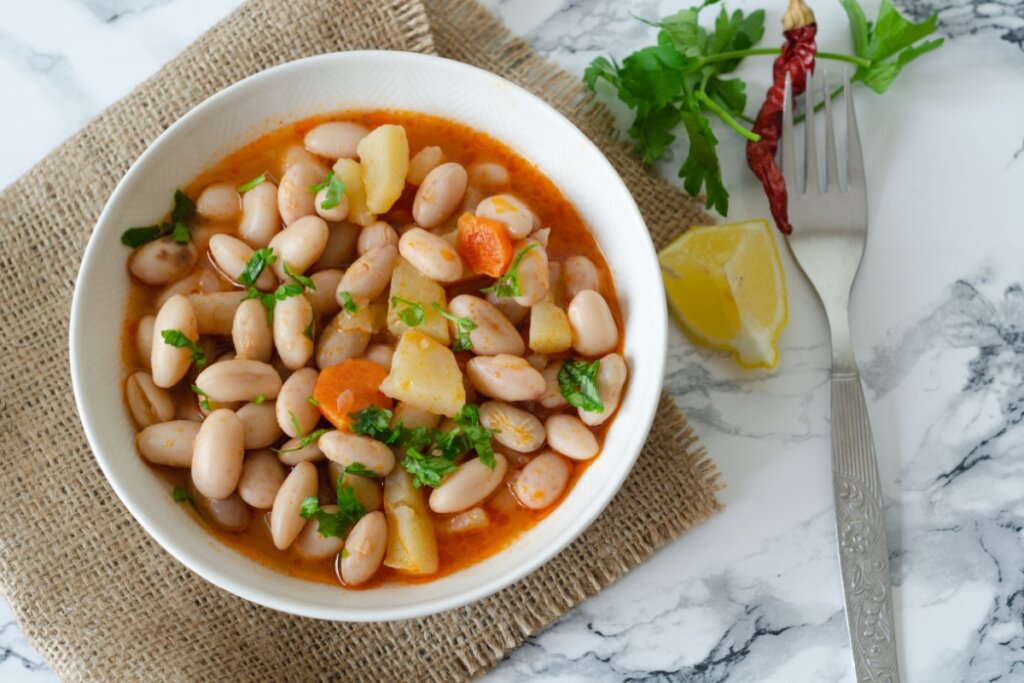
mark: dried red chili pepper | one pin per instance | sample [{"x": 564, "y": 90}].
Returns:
[{"x": 797, "y": 60}]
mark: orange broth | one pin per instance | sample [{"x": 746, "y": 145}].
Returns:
[{"x": 569, "y": 236}]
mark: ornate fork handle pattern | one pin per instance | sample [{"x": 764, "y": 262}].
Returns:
[{"x": 860, "y": 530}]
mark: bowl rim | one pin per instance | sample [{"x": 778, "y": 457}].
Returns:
[{"x": 193, "y": 558}]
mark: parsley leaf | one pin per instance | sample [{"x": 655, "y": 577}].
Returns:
[
  {"x": 136, "y": 237},
  {"x": 304, "y": 440},
  {"x": 426, "y": 470},
  {"x": 260, "y": 259},
  {"x": 359, "y": 469},
  {"x": 180, "y": 233},
  {"x": 508, "y": 284},
  {"x": 312, "y": 401},
  {"x": 184, "y": 208},
  {"x": 463, "y": 326},
  {"x": 178, "y": 340},
  {"x": 204, "y": 398},
  {"x": 260, "y": 398},
  {"x": 306, "y": 282},
  {"x": 177, "y": 228},
  {"x": 339, "y": 523},
  {"x": 478, "y": 437},
  {"x": 412, "y": 315},
  {"x": 258, "y": 180},
  {"x": 348, "y": 303},
  {"x": 335, "y": 190},
  {"x": 577, "y": 381},
  {"x": 308, "y": 331},
  {"x": 375, "y": 423},
  {"x": 180, "y": 495}
]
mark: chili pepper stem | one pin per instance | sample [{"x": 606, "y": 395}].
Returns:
[{"x": 726, "y": 117}]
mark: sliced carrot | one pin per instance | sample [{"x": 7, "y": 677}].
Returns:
[
  {"x": 349, "y": 387},
  {"x": 484, "y": 244}
]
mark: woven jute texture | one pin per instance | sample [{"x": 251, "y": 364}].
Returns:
[{"x": 93, "y": 593}]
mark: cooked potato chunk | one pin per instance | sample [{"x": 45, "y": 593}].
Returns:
[
  {"x": 425, "y": 374},
  {"x": 412, "y": 547},
  {"x": 549, "y": 328},
  {"x": 384, "y": 157},
  {"x": 349, "y": 172},
  {"x": 409, "y": 284}
]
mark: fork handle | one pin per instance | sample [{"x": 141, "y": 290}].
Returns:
[{"x": 860, "y": 530}]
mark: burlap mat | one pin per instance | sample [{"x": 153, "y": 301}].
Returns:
[{"x": 97, "y": 597}]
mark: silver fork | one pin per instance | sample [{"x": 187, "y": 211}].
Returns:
[{"x": 829, "y": 232}]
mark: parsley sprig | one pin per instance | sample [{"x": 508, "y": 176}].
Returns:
[
  {"x": 577, "y": 381},
  {"x": 258, "y": 180},
  {"x": 335, "y": 190},
  {"x": 348, "y": 303},
  {"x": 339, "y": 523},
  {"x": 204, "y": 398},
  {"x": 260, "y": 259},
  {"x": 508, "y": 284},
  {"x": 463, "y": 326},
  {"x": 430, "y": 454},
  {"x": 177, "y": 228},
  {"x": 304, "y": 439},
  {"x": 178, "y": 340},
  {"x": 412, "y": 313},
  {"x": 682, "y": 80}
]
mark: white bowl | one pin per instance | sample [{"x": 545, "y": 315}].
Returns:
[{"x": 361, "y": 81}]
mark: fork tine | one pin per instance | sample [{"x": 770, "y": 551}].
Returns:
[
  {"x": 855, "y": 161},
  {"x": 831, "y": 162},
  {"x": 788, "y": 141},
  {"x": 810, "y": 150}
]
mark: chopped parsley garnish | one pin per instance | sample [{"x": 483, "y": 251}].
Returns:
[
  {"x": 180, "y": 495},
  {"x": 307, "y": 332},
  {"x": 258, "y": 180},
  {"x": 348, "y": 303},
  {"x": 359, "y": 469},
  {"x": 260, "y": 259},
  {"x": 577, "y": 380},
  {"x": 339, "y": 523},
  {"x": 260, "y": 398},
  {"x": 412, "y": 315},
  {"x": 430, "y": 454},
  {"x": 463, "y": 326},
  {"x": 204, "y": 398},
  {"x": 306, "y": 282},
  {"x": 304, "y": 440},
  {"x": 335, "y": 190},
  {"x": 312, "y": 401},
  {"x": 508, "y": 284},
  {"x": 176, "y": 228},
  {"x": 178, "y": 340}
]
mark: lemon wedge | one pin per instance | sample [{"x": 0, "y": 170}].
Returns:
[{"x": 728, "y": 289}]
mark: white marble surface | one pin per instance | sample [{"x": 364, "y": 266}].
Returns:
[{"x": 938, "y": 315}]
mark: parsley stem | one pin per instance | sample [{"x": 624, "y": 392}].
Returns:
[
  {"x": 727, "y": 117},
  {"x": 768, "y": 51}
]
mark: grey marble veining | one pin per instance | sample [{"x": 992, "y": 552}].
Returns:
[{"x": 753, "y": 594}]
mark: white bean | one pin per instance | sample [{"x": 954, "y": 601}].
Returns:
[
  {"x": 231, "y": 254},
  {"x": 508, "y": 307},
  {"x": 168, "y": 443},
  {"x": 366, "y": 544},
  {"x": 239, "y": 380},
  {"x": 541, "y": 482},
  {"x": 341, "y": 242},
  {"x": 611, "y": 379},
  {"x": 431, "y": 255},
  {"x": 219, "y": 203},
  {"x": 230, "y": 514},
  {"x": 144, "y": 339},
  {"x": 508, "y": 378},
  {"x": 569, "y": 436},
  {"x": 489, "y": 176},
  {"x": 262, "y": 476},
  {"x": 370, "y": 274},
  {"x": 381, "y": 354},
  {"x": 594, "y": 331},
  {"x": 292, "y": 452},
  {"x": 299, "y": 245},
  {"x": 517, "y": 218},
  {"x": 217, "y": 454},
  {"x": 470, "y": 521},
  {"x": 335, "y": 213},
  {"x": 148, "y": 403},
  {"x": 293, "y": 331},
  {"x": 514, "y": 428},
  {"x": 170, "y": 363},
  {"x": 366, "y": 490},
  {"x": 162, "y": 261},
  {"x": 260, "y": 218},
  {"x": 494, "y": 332},
  {"x": 348, "y": 449},
  {"x": 335, "y": 139},
  {"x": 468, "y": 486},
  {"x": 552, "y": 396},
  {"x": 439, "y": 195},
  {"x": 294, "y": 200},
  {"x": 579, "y": 273},
  {"x": 422, "y": 163},
  {"x": 325, "y": 283},
  {"x": 378, "y": 234},
  {"x": 538, "y": 360},
  {"x": 215, "y": 312},
  {"x": 534, "y": 276},
  {"x": 250, "y": 332},
  {"x": 286, "y": 514},
  {"x": 336, "y": 345},
  {"x": 312, "y": 546},
  {"x": 294, "y": 401},
  {"x": 260, "y": 424}
]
